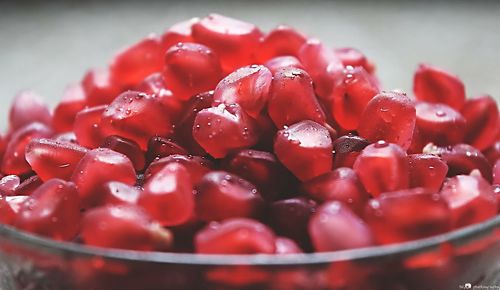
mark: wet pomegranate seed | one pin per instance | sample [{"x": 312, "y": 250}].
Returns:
[
  {"x": 234, "y": 41},
  {"x": 427, "y": 171},
  {"x": 128, "y": 148},
  {"x": 335, "y": 227},
  {"x": 471, "y": 199},
  {"x": 124, "y": 227},
  {"x": 382, "y": 167},
  {"x": 286, "y": 246},
  {"x": 305, "y": 148},
  {"x": 463, "y": 158},
  {"x": 72, "y": 102},
  {"x": 9, "y": 184},
  {"x": 355, "y": 58},
  {"x": 28, "y": 107},
  {"x": 282, "y": 40},
  {"x": 87, "y": 126},
  {"x": 247, "y": 86},
  {"x": 168, "y": 195},
  {"x": 197, "y": 166},
  {"x": 99, "y": 88},
  {"x": 407, "y": 215},
  {"x": 235, "y": 236},
  {"x": 117, "y": 193},
  {"x": 190, "y": 69},
  {"x": 432, "y": 84},
  {"x": 28, "y": 186},
  {"x": 347, "y": 148},
  {"x": 53, "y": 210},
  {"x": 221, "y": 195},
  {"x": 53, "y": 159},
  {"x": 283, "y": 62},
  {"x": 159, "y": 147},
  {"x": 179, "y": 32},
  {"x": 389, "y": 116},
  {"x": 481, "y": 115}
]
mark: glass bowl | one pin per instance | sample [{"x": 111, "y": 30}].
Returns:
[{"x": 455, "y": 260}]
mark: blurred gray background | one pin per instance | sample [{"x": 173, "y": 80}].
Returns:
[{"x": 44, "y": 46}]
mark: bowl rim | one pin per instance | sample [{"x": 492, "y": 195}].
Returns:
[{"x": 69, "y": 249}]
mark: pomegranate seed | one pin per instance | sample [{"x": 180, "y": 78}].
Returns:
[
  {"x": 28, "y": 107},
  {"x": 124, "y": 227},
  {"x": 136, "y": 116},
  {"x": 286, "y": 246},
  {"x": 53, "y": 210},
  {"x": 9, "y": 208},
  {"x": 68, "y": 137},
  {"x": 382, "y": 167},
  {"x": 87, "y": 126},
  {"x": 351, "y": 96},
  {"x": 353, "y": 57},
  {"x": 168, "y": 195},
  {"x": 196, "y": 166},
  {"x": 427, "y": 171},
  {"x": 481, "y": 115},
  {"x": 97, "y": 167},
  {"x": 8, "y": 185},
  {"x": 225, "y": 128},
  {"x": 179, "y": 32},
  {"x": 28, "y": 186},
  {"x": 341, "y": 184},
  {"x": 290, "y": 218},
  {"x": 234, "y": 41},
  {"x": 407, "y": 215},
  {"x": 283, "y": 62},
  {"x": 72, "y": 102},
  {"x": 159, "y": 147},
  {"x": 470, "y": 198},
  {"x": 463, "y": 158},
  {"x": 347, "y": 148},
  {"x": 293, "y": 84},
  {"x": 389, "y": 116},
  {"x": 14, "y": 161},
  {"x": 53, "y": 159},
  {"x": 221, "y": 195},
  {"x": 190, "y": 69},
  {"x": 128, "y": 148},
  {"x": 496, "y": 173},
  {"x": 235, "y": 236},
  {"x": 335, "y": 227},
  {"x": 247, "y": 86},
  {"x": 117, "y": 193},
  {"x": 282, "y": 40},
  {"x": 131, "y": 65},
  {"x": 99, "y": 88},
  {"x": 305, "y": 148},
  {"x": 493, "y": 152},
  {"x": 432, "y": 84}
]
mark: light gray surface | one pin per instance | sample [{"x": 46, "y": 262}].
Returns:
[{"x": 46, "y": 46}]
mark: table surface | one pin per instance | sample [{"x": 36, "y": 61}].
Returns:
[{"x": 45, "y": 46}]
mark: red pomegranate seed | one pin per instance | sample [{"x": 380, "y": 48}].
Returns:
[
  {"x": 53, "y": 210},
  {"x": 235, "y": 236},
  {"x": 324, "y": 66},
  {"x": 87, "y": 126},
  {"x": 283, "y": 62},
  {"x": 247, "y": 86},
  {"x": 28, "y": 186},
  {"x": 159, "y": 147},
  {"x": 407, "y": 215},
  {"x": 53, "y": 159},
  {"x": 493, "y": 152},
  {"x": 234, "y": 41},
  {"x": 196, "y": 166},
  {"x": 190, "y": 69},
  {"x": 221, "y": 195},
  {"x": 470, "y": 198},
  {"x": 351, "y": 96},
  {"x": 282, "y": 40},
  {"x": 72, "y": 102},
  {"x": 263, "y": 170},
  {"x": 99, "y": 88},
  {"x": 293, "y": 84},
  {"x": 353, "y": 57},
  {"x": 179, "y": 32},
  {"x": 439, "y": 124},
  {"x": 8, "y": 185},
  {"x": 389, "y": 116},
  {"x": 168, "y": 195},
  {"x": 117, "y": 193},
  {"x": 305, "y": 148},
  {"x": 13, "y": 161},
  {"x": 432, "y": 84},
  {"x": 341, "y": 184},
  {"x": 131, "y": 65},
  {"x": 128, "y": 148},
  {"x": 9, "y": 207},
  {"x": 481, "y": 115},
  {"x": 136, "y": 116},
  {"x": 223, "y": 129},
  {"x": 68, "y": 137},
  {"x": 290, "y": 218},
  {"x": 496, "y": 173},
  {"x": 335, "y": 227},
  {"x": 97, "y": 167},
  {"x": 463, "y": 158},
  {"x": 286, "y": 246},
  {"x": 347, "y": 148},
  {"x": 28, "y": 107},
  {"x": 427, "y": 171},
  {"x": 382, "y": 167},
  {"x": 124, "y": 227}
]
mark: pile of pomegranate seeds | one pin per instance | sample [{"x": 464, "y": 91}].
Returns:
[{"x": 218, "y": 138}]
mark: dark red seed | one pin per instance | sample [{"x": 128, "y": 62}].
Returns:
[
  {"x": 493, "y": 152},
  {"x": 99, "y": 88},
  {"x": 282, "y": 40},
  {"x": 439, "y": 124},
  {"x": 159, "y": 147},
  {"x": 481, "y": 115},
  {"x": 463, "y": 158},
  {"x": 72, "y": 102},
  {"x": 196, "y": 165},
  {"x": 283, "y": 62},
  {"x": 9, "y": 184},
  {"x": 347, "y": 148},
  {"x": 28, "y": 107},
  {"x": 427, "y": 171},
  {"x": 87, "y": 126},
  {"x": 28, "y": 186},
  {"x": 128, "y": 148},
  {"x": 117, "y": 193}
]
